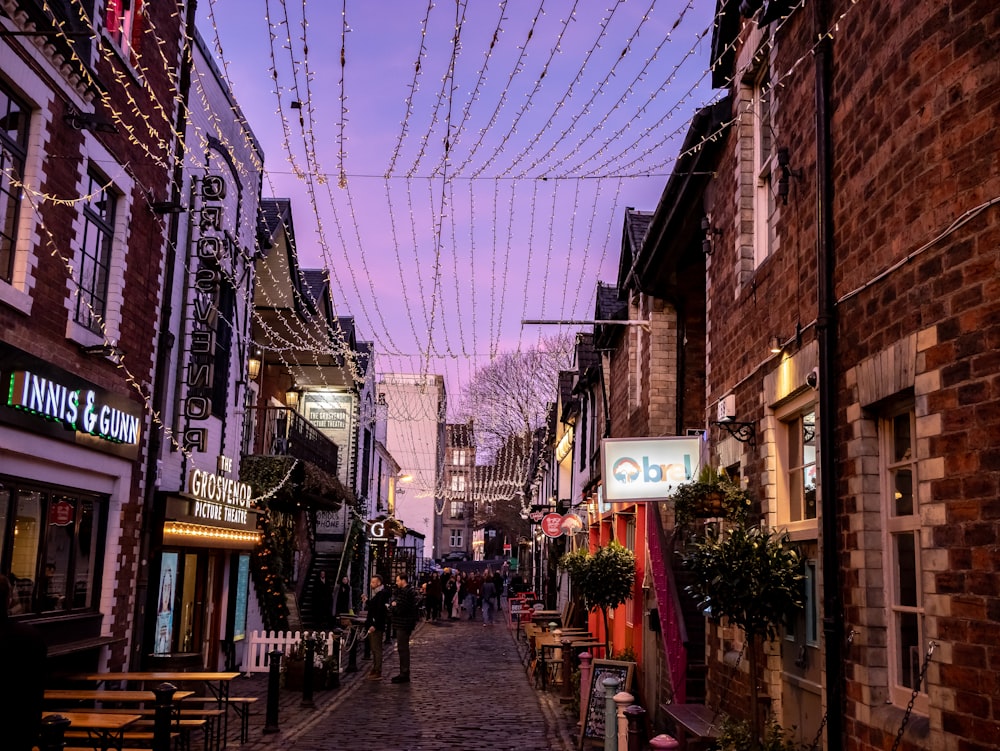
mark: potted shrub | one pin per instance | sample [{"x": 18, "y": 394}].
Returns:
[
  {"x": 295, "y": 658},
  {"x": 711, "y": 495},
  {"x": 604, "y": 579},
  {"x": 752, "y": 577}
]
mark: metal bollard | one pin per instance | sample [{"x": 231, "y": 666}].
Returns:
[
  {"x": 633, "y": 716},
  {"x": 335, "y": 672},
  {"x": 273, "y": 687},
  {"x": 308, "y": 672},
  {"x": 164, "y": 715},
  {"x": 622, "y": 700},
  {"x": 567, "y": 668},
  {"x": 585, "y": 671},
  {"x": 352, "y": 654},
  {"x": 610, "y": 714},
  {"x": 52, "y": 733}
]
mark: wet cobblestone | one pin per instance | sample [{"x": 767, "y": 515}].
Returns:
[{"x": 468, "y": 691}]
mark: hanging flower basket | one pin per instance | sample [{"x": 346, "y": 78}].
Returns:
[{"x": 711, "y": 496}]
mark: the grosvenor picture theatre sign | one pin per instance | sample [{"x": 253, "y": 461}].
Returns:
[
  {"x": 647, "y": 469},
  {"x": 214, "y": 500},
  {"x": 46, "y": 400}
]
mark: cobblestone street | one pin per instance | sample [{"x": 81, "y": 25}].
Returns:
[{"x": 468, "y": 691}]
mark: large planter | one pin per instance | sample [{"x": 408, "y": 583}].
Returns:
[{"x": 295, "y": 676}]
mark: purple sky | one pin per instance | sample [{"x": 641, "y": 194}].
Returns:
[{"x": 538, "y": 171}]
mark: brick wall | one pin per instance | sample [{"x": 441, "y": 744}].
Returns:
[{"x": 915, "y": 96}]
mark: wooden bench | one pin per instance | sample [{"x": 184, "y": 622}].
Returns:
[
  {"x": 185, "y": 719},
  {"x": 696, "y": 722},
  {"x": 241, "y": 706},
  {"x": 140, "y": 740}
]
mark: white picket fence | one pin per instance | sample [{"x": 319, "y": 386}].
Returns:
[{"x": 255, "y": 659}]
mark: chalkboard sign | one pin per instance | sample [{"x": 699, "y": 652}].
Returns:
[{"x": 593, "y": 718}]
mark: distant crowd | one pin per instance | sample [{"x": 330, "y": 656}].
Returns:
[{"x": 453, "y": 595}]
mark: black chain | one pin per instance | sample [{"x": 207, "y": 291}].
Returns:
[
  {"x": 826, "y": 714},
  {"x": 913, "y": 697}
]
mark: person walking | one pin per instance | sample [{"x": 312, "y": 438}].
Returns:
[
  {"x": 375, "y": 620},
  {"x": 434, "y": 595},
  {"x": 22, "y": 677},
  {"x": 450, "y": 595},
  {"x": 489, "y": 594},
  {"x": 405, "y": 614}
]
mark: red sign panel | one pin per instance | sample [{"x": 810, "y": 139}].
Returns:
[
  {"x": 61, "y": 514},
  {"x": 552, "y": 525}
]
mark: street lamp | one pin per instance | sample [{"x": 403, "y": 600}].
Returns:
[
  {"x": 292, "y": 396},
  {"x": 399, "y": 477},
  {"x": 254, "y": 365}
]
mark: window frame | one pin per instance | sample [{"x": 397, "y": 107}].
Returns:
[
  {"x": 764, "y": 203},
  {"x": 455, "y": 537},
  {"x": 18, "y": 151},
  {"x": 93, "y": 272},
  {"x": 123, "y": 27},
  {"x": 49, "y": 496},
  {"x": 894, "y": 527},
  {"x": 123, "y": 189},
  {"x": 789, "y": 414}
]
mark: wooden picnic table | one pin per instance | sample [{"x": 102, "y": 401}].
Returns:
[
  {"x": 106, "y": 730},
  {"x": 217, "y": 684},
  {"x": 107, "y": 695},
  {"x": 552, "y": 641}
]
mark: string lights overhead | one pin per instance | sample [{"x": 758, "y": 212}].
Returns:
[{"x": 564, "y": 90}]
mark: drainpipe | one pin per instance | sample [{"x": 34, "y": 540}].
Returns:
[
  {"x": 152, "y": 518},
  {"x": 826, "y": 333}
]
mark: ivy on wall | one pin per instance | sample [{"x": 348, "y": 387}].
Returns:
[{"x": 286, "y": 487}]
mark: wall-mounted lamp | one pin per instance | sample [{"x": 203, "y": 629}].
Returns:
[
  {"x": 292, "y": 396},
  {"x": 774, "y": 345},
  {"x": 89, "y": 121},
  {"x": 166, "y": 207},
  {"x": 254, "y": 365},
  {"x": 710, "y": 232},
  {"x": 786, "y": 173},
  {"x": 104, "y": 350}
]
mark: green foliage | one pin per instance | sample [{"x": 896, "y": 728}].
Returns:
[
  {"x": 605, "y": 579},
  {"x": 748, "y": 575},
  {"x": 271, "y": 565},
  {"x": 737, "y": 735},
  {"x": 624, "y": 655},
  {"x": 711, "y": 495}
]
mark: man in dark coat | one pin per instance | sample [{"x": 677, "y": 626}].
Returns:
[
  {"x": 22, "y": 678},
  {"x": 375, "y": 621},
  {"x": 323, "y": 601},
  {"x": 405, "y": 613}
]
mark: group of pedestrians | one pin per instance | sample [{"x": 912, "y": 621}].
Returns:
[
  {"x": 402, "y": 609},
  {"x": 442, "y": 596},
  {"x": 452, "y": 595}
]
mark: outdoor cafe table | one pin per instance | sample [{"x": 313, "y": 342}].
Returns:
[
  {"x": 106, "y": 729},
  {"x": 551, "y": 641},
  {"x": 216, "y": 683},
  {"x": 107, "y": 695}
]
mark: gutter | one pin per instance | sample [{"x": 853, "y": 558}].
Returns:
[{"x": 826, "y": 334}]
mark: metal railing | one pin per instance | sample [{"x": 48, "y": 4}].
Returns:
[{"x": 281, "y": 431}]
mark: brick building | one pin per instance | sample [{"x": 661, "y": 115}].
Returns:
[
  {"x": 852, "y": 308},
  {"x": 86, "y": 167}
]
